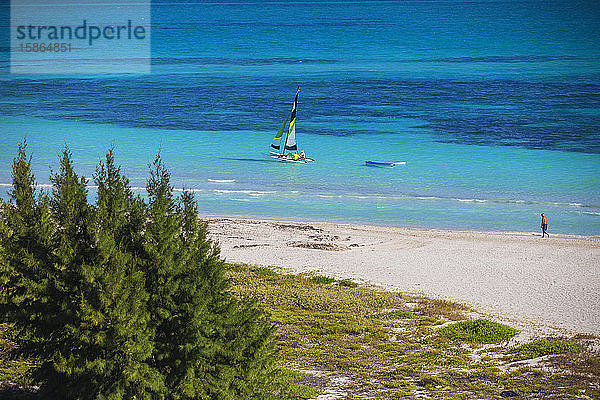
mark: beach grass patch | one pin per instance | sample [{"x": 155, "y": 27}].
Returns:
[
  {"x": 478, "y": 331},
  {"x": 264, "y": 271},
  {"x": 431, "y": 381},
  {"x": 297, "y": 385},
  {"x": 545, "y": 347}
]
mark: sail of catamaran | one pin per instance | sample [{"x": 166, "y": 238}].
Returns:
[{"x": 289, "y": 151}]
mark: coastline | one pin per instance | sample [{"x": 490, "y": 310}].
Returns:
[{"x": 513, "y": 276}]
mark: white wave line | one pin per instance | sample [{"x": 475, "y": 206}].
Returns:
[
  {"x": 471, "y": 200},
  {"x": 221, "y": 180},
  {"x": 367, "y": 197},
  {"x": 248, "y": 192}
]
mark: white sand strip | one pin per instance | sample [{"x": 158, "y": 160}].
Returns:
[{"x": 554, "y": 282}]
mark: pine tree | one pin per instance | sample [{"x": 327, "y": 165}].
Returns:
[
  {"x": 116, "y": 321},
  {"x": 162, "y": 245},
  {"x": 125, "y": 300},
  {"x": 105, "y": 342},
  {"x": 209, "y": 345},
  {"x": 27, "y": 268},
  {"x": 63, "y": 376},
  {"x": 16, "y": 233}
]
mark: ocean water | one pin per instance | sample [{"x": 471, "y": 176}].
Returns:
[{"x": 494, "y": 106}]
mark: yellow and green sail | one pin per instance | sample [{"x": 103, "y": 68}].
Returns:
[
  {"x": 290, "y": 142},
  {"x": 276, "y": 144}
]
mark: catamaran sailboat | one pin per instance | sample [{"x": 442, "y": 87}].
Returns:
[{"x": 289, "y": 151}]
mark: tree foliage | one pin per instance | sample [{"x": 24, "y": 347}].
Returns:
[{"x": 125, "y": 298}]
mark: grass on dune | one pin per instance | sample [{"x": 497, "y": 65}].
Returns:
[
  {"x": 389, "y": 345},
  {"x": 366, "y": 342}
]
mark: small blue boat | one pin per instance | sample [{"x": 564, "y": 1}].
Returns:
[{"x": 384, "y": 164}]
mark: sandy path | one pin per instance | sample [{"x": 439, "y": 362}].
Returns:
[{"x": 553, "y": 282}]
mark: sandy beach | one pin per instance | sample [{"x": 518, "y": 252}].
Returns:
[{"x": 552, "y": 283}]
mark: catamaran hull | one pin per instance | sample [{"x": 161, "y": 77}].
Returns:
[
  {"x": 291, "y": 160},
  {"x": 278, "y": 157},
  {"x": 384, "y": 164}
]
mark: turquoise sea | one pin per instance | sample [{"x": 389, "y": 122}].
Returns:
[{"x": 494, "y": 106}]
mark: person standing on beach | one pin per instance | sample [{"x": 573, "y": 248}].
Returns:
[{"x": 544, "y": 225}]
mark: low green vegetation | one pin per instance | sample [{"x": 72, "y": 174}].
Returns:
[
  {"x": 545, "y": 347},
  {"x": 478, "y": 331},
  {"x": 264, "y": 271},
  {"x": 370, "y": 343},
  {"x": 327, "y": 280}
]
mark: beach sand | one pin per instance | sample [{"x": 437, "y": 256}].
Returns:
[{"x": 519, "y": 277}]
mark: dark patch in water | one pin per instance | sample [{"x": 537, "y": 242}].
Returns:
[{"x": 541, "y": 114}]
